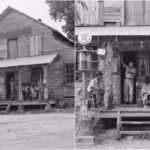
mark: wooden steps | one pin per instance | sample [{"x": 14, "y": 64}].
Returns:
[
  {"x": 121, "y": 122},
  {"x": 5, "y": 107}
]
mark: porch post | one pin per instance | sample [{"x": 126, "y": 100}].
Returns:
[
  {"x": 45, "y": 80},
  {"x": 20, "y": 84},
  {"x": 108, "y": 77},
  {"x": 20, "y": 107}
]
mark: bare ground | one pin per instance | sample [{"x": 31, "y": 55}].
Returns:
[
  {"x": 37, "y": 131},
  {"x": 107, "y": 140}
]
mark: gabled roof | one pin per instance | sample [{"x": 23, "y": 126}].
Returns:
[{"x": 8, "y": 9}]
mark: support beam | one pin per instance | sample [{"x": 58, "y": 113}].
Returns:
[
  {"x": 45, "y": 81},
  {"x": 20, "y": 84},
  {"x": 108, "y": 76}
]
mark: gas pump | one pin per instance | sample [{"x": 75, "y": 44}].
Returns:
[{"x": 84, "y": 66}]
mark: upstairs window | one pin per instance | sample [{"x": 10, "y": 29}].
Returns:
[
  {"x": 12, "y": 48},
  {"x": 112, "y": 12},
  {"x": 69, "y": 72}
]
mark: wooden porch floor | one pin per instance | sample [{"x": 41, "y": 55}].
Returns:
[
  {"x": 17, "y": 103},
  {"x": 131, "y": 110}
]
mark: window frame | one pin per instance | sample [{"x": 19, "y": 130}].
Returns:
[
  {"x": 69, "y": 72},
  {"x": 17, "y": 42}
]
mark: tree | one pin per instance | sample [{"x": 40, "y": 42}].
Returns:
[{"x": 63, "y": 10}]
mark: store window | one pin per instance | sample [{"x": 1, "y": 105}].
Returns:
[{"x": 69, "y": 72}]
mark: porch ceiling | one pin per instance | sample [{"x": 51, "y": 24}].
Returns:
[
  {"x": 115, "y": 31},
  {"x": 24, "y": 61}
]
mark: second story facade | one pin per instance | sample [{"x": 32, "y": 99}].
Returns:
[
  {"x": 23, "y": 36},
  {"x": 112, "y": 13}
]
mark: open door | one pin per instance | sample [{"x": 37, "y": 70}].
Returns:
[
  {"x": 10, "y": 85},
  {"x": 128, "y": 57}
]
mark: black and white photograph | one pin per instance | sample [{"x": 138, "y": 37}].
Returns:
[
  {"x": 112, "y": 79},
  {"x": 74, "y": 74},
  {"x": 36, "y": 75}
]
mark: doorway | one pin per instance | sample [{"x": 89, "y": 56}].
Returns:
[
  {"x": 128, "y": 57},
  {"x": 10, "y": 77}
]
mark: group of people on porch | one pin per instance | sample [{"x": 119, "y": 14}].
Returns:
[
  {"x": 30, "y": 91},
  {"x": 96, "y": 86}
]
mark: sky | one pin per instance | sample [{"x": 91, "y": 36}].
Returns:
[{"x": 34, "y": 8}]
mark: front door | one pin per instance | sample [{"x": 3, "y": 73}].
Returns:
[
  {"x": 10, "y": 85},
  {"x": 128, "y": 57}
]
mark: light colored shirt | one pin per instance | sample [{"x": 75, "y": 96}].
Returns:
[
  {"x": 130, "y": 73},
  {"x": 94, "y": 85}
]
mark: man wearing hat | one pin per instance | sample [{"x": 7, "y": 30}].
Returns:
[{"x": 96, "y": 87}]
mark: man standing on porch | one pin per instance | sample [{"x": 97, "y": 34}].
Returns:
[{"x": 130, "y": 73}]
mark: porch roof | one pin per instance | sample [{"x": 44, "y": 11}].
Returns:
[
  {"x": 24, "y": 61},
  {"x": 114, "y": 31}
]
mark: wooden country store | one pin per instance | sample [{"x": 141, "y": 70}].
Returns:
[
  {"x": 36, "y": 55},
  {"x": 122, "y": 28}
]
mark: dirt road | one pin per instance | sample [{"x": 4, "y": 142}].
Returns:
[
  {"x": 37, "y": 131},
  {"x": 107, "y": 140}
]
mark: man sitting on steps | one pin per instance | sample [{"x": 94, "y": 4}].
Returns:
[{"x": 96, "y": 89}]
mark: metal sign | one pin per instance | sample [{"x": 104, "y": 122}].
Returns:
[
  {"x": 101, "y": 51},
  {"x": 84, "y": 38}
]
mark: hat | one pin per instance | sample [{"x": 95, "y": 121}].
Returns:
[{"x": 98, "y": 73}]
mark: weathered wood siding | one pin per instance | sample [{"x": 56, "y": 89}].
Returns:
[
  {"x": 91, "y": 12},
  {"x": 137, "y": 12},
  {"x": 125, "y": 12},
  {"x": 17, "y": 25},
  {"x": 55, "y": 80},
  {"x": 134, "y": 12}
]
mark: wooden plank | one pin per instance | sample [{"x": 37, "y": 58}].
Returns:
[
  {"x": 118, "y": 124},
  {"x": 79, "y": 13},
  {"x": 45, "y": 87},
  {"x": 8, "y": 107},
  {"x": 94, "y": 12},
  {"x": 36, "y": 45},
  {"x": 135, "y": 122},
  {"x": 86, "y": 12},
  {"x": 134, "y": 12},
  {"x": 100, "y": 13},
  {"x": 134, "y": 132},
  {"x": 32, "y": 46},
  {"x": 106, "y": 115},
  {"x": 91, "y": 12},
  {"x": 147, "y": 13},
  {"x": 20, "y": 84},
  {"x": 122, "y": 13},
  {"x": 3, "y": 49}
]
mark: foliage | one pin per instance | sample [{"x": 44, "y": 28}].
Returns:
[{"x": 63, "y": 10}]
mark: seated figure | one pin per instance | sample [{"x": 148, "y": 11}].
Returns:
[
  {"x": 145, "y": 90},
  {"x": 95, "y": 89}
]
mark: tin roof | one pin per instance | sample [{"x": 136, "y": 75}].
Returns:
[
  {"x": 114, "y": 31},
  {"x": 24, "y": 61}
]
